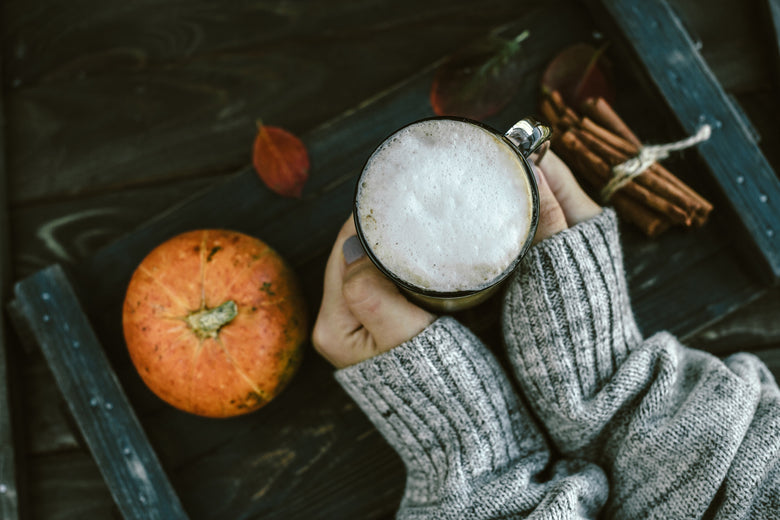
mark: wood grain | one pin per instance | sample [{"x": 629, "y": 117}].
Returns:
[
  {"x": 692, "y": 92},
  {"x": 724, "y": 32},
  {"x": 320, "y": 453},
  {"x": 125, "y": 94},
  {"x": 71, "y": 230},
  {"x": 770, "y": 13},
  {"x": 755, "y": 326},
  {"x": 69, "y": 486},
  {"x": 109, "y": 425},
  {"x": 134, "y": 116},
  {"x": 49, "y": 425},
  {"x": 291, "y": 433},
  {"x": 68, "y": 229}
]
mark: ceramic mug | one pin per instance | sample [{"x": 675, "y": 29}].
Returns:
[{"x": 395, "y": 207}]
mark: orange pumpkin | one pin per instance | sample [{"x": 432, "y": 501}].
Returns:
[{"x": 214, "y": 322}]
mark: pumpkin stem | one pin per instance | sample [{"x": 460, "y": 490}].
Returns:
[{"x": 206, "y": 323}]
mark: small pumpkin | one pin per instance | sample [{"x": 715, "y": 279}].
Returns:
[{"x": 214, "y": 322}]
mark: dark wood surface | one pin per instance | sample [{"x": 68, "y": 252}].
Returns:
[
  {"x": 116, "y": 112},
  {"x": 655, "y": 33},
  {"x": 107, "y": 421}
]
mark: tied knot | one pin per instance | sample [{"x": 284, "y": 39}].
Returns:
[{"x": 624, "y": 172}]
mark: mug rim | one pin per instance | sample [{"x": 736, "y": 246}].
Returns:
[{"x": 445, "y": 295}]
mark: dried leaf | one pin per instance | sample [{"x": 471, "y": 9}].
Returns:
[
  {"x": 281, "y": 160},
  {"x": 479, "y": 80},
  {"x": 578, "y": 72}
]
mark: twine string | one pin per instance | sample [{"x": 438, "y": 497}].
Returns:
[{"x": 624, "y": 172}]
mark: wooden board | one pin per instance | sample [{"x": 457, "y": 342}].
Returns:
[
  {"x": 770, "y": 13},
  {"x": 123, "y": 452},
  {"x": 311, "y": 453},
  {"x": 112, "y": 95},
  {"x": 659, "y": 40}
]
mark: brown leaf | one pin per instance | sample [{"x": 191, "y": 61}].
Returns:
[
  {"x": 578, "y": 72},
  {"x": 479, "y": 80},
  {"x": 281, "y": 160}
]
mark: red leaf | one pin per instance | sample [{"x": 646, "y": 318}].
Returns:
[
  {"x": 579, "y": 72},
  {"x": 479, "y": 80},
  {"x": 281, "y": 160}
]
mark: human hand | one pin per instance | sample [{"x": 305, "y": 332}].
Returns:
[
  {"x": 562, "y": 203},
  {"x": 362, "y": 312}
]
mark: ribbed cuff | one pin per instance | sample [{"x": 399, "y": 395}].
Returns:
[
  {"x": 442, "y": 401},
  {"x": 567, "y": 318}
]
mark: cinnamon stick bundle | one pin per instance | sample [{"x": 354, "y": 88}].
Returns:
[{"x": 593, "y": 144}]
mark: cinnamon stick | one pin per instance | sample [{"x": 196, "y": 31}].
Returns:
[
  {"x": 605, "y": 135},
  {"x": 568, "y": 117},
  {"x": 557, "y": 101},
  {"x": 702, "y": 207},
  {"x": 644, "y": 219},
  {"x": 601, "y": 140},
  {"x": 650, "y": 179},
  {"x": 635, "y": 191},
  {"x": 549, "y": 113},
  {"x": 602, "y": 113},
  {"x": 649, "y": 222}
]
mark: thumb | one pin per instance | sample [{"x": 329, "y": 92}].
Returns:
[
  {"x": 551, "y": 217},
  {"x": 379, "y": 306}
]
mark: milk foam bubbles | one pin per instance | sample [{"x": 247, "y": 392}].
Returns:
[{"x": 445, "y": 205}]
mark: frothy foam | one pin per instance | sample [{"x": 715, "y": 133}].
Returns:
[{"x": 445, "y": 205}]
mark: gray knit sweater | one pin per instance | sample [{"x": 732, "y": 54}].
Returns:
[{"x": 618, "y": 427}]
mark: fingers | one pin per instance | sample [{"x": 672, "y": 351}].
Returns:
[
  {"x": 574, "y": 202},
  {"x": 362, "y": 313},
  {"x": 551, "y": 217},
  {"x": 378, "y": 305},
  {"x": 334, "y": 321}
]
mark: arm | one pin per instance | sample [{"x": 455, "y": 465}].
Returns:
[
  {"x": 470, "y": 449},
  {"x": 443, "y": 403},
  {"x": 678, "y": 432}
]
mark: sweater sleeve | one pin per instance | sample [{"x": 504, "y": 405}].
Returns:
[
  {"x": 679, "y": 433},
  {"x": 470, "y": 449}
]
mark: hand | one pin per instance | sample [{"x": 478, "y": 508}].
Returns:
[
  {"x": 362, "y": 313},
  {"x": 562, "y": 203}
]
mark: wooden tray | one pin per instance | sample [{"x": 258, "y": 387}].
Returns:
[{"x": 311, "y": 453}]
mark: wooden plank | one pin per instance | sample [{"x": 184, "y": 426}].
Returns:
[
  {"x": 763, "y": 110},
  {"x": 302, "y": 456},
  {"x": 694, "y": 95},
  {"x": 68, "y": 486},
  {"x": 106, "y": 419},
  {"x": 667, "y": 296},
  {"x": 724, "y": 31},
  {"x": 9, "y": 491},
  {"x": 69, "y": 231},
  {"x": 754, "y": 326},
  {"x": 48, "y": 423},
  {"x": 770, "y": 11},
  {"x": 118, "y": 94},
  {"x": 282, "y": 461}
]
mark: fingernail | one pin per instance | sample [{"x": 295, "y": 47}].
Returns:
[{"x": 353, "y": 250}]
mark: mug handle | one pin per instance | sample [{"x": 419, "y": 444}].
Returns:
[{"x": 530, "y": 137}]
